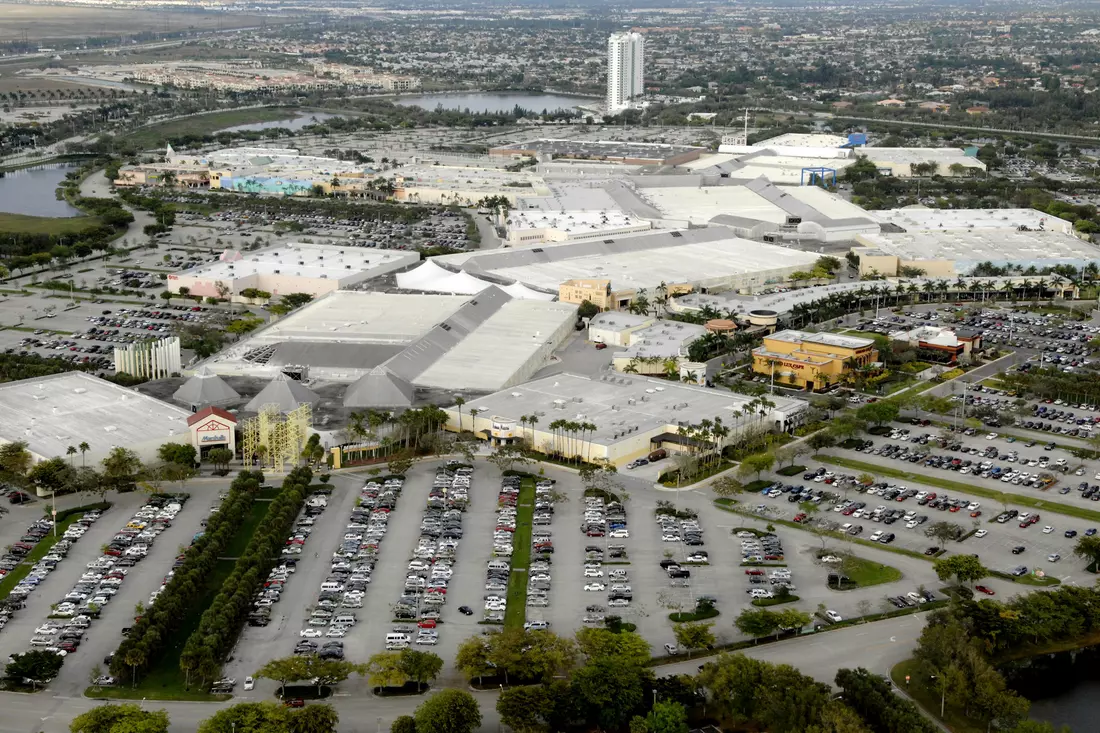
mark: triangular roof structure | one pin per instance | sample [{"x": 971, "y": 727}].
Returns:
[
  {"x": 379, "y": 388},
  {"x": 212, "y": 412},
  {"x": 205, "y": 388},
  {"x": 287, "y": 393}
]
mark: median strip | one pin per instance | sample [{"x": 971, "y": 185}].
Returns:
[{"x": 515, "y": 610}]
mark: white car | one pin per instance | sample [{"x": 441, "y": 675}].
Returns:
[
  {"x": 876, "y": 535},
  {"x": 991, "y": 436},
  {"x": 249, "y": 683},
  {"x": 980, "y": 533},
  {"x": 593, "y": 573},
  {"x": 595, "y": 586},
  {"x": 619, "y": 534},
  {"x": 1053, "y": 557},
  {"x": 833, "y": 616},
  {"x": 310, "y": 633},
  {"x": 1048, "y": 529}
]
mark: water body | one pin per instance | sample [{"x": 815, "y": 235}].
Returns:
[
  {"x": 494, "y": 101},
  {"x": 1064, "y": 688},
  {"x": 31, "y": 191},
  {"x": 292, "y": 123}
]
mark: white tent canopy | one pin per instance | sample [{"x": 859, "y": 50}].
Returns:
[{"x": 431, "y": 278}]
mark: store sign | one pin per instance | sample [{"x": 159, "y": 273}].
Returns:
[{"x": 213, "y": 431}]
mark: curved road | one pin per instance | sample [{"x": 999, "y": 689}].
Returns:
[{"x": 876, "y": 646}]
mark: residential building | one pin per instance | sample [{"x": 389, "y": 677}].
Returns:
[{"x": 625, "y": 69}]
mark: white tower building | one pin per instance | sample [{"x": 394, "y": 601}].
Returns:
[{"x": 625, "y": 69}]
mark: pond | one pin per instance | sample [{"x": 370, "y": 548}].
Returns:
[
  {"x": 30, "y": 191},
  {"x": 1064, "y": 688},
  {"x": 495, "y": 101},
  {"x": 291, "y": 123}
]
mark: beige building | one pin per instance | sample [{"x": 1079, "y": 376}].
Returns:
[{"x": 596, "y": 292}]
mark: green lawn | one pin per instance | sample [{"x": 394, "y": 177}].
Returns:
[
  {"x": 516, "y": 612},
  {"x": 865, "y": 573},
  {"x": 40, "y": 551},
  {"x": 931, "y": 480},
  {"x": 164, "y": 680},
  {"x": 765, "y": 602},
  {"x": 23, "y": 224},
  {"x": 251, "y": 521},
  {"x": 205, "y": 124}
]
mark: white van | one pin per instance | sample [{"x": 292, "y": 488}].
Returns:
[
  {"x": 397, "y": 641},
  {"x": 344, "y": 620},
  {"x": 331, "y": 585},
  {"x": 498, "y": 565}
]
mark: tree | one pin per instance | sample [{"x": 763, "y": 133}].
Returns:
[
  {"x": 129, "y": 718},
  {"x": 524, "y": 709},
  {"x": 249, "y": 717},
  {"x": 596, "y": 643},
  {"x": 964, "y": 568},
  {"x": 756, "y": 464},
  {"x": 403, "y": 724},
  {"x": 587, "y": 309},
  {"x": 611, "y": 691},
  {"x": 821, "y": 440},
  {"x": 15, "y": 458},
  {"x": 37, "y": 666},
  {"x": 756, "y": 622},
  {"x": 314, "y": 719},
  {"x": 220, "y": 457},
  {"x": 667, "y": 717},
  {"x": 284, "y": 670},
  {"x": 52, "y": 475},
  {"x": 472, "y": 658},
  {"x": 1088, "y": 548},
  {"x": 879, "y": 413},
  {"x": 420, "y": 667},
  {"x": 180, "y": 453},
  {"x": 942, "y": 532},
  {"x": 506, "y": 456},
  {"x": 696, "y": 635},
  {"x": 120, "y": 468},
  {"x": 448, "y": 711},
  {"x": 873, "y": 699},
  {"x": 384, "y": 669}
]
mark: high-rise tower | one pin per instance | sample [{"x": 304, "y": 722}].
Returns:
[{"x": 625, "y": 69}]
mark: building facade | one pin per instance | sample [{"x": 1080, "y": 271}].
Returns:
[
  {"x": 149, "y": 359},
  {"x": 811, "y": 361},
  {"x": 212, "y": 427},
  {"x": 625, "y": 69}
]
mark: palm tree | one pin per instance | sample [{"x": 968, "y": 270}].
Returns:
[
  {"x": 70, "y": 452},
  {"x": 84, "y": 448},
  {"x": 459, "y": 402}
]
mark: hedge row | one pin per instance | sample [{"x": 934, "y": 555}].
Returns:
[
  {"x": 221, "y": 622},
  {"x": 63, "y": 514},
  {"x": 152, "y": 633}
]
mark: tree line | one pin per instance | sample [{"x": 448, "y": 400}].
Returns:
[
  {"x": 152, "y": 634},
  {"x": 221, "y": 622}
]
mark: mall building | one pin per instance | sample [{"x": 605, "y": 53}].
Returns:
[{"x": 811, "y": 361}]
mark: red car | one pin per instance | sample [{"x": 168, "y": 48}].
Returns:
[
  {"x": 295, "y": 702},
  {"x": 428, "y": 623},
  {"x": 983, "y": 589},
  {"x": 601, "y": 345},
  {"x": 754, "y": 571}
]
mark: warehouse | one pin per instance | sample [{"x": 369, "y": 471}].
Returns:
[
  {"x": 679, "y": 261},
  {"x": 633, "y": 415},
  {"x": 52, "y": 413},
  {"x": 296, "y": 267}
]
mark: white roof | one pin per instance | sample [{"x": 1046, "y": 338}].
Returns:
[
  {"x": 943, "y": 156},
  {"x": 300, "y": 259},
  {"x": 662, "y": 339},
  {"x": 51, "y": 413},
  {"x": 498, "y": 349},
  {"x": 431, "y": 278},
  {"x": 573, "y": 222},
  {"x": 804, "y": 140},
  {"x": 824, "y": 339},
  {"x": 919, "y": 217},
  {"x": 700, "y": 205},
  {"x": 976, "y": 245}
]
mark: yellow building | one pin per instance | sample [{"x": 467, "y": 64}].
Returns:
[
  {"x": 811, "y": 360},
  {"x": 600, "y": 294}
]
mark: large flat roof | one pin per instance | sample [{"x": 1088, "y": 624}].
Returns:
[
  {"x": 638, "y": 261},
  {"x": 500, "y": 347},
  {"x": 300, "y": 259},
  {"x": 919, "y": 217},
  {"x": 804, "y": 140},
  {"x": 825, "y": 339},
  {"x": 977, "y": 245},
  {"x": 616, "y": 403},
  {"x": 51, "y": 413}
]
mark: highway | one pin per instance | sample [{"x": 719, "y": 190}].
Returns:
[{"x": 876, "y": 646}]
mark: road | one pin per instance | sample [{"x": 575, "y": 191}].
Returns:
[{"x": 876, "y": 647}]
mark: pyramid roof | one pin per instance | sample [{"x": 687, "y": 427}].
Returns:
[
  {"x": 287, "y": 393},
  {"x": 205, "y": 388},
  {"x": 379, "y": 388}
]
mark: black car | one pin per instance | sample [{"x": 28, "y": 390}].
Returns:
[
  {"x": 931, "y": 551},
  {"x": 1018, "y": 549}
]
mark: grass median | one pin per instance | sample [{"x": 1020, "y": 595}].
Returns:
[
  {"x": 948, "y": 485},
  {"x": 515, "y": 613}
]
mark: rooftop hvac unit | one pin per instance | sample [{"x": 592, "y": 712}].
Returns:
[{"x": 277, "y": 272}]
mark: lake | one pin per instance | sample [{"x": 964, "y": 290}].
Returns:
[
  {"x": 494, "y": 101},
  {"x": 1063, "y": 688},
  {"x": 31, "y": 191},
  {"x": 291, "y": 123}
]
